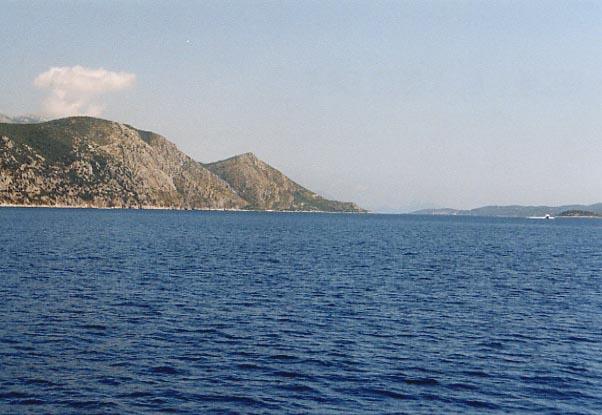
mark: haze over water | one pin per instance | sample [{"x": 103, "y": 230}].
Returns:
[{"x": 202, "y": 312}]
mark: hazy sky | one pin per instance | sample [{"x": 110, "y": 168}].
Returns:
[{"x": 394, "y": 105}]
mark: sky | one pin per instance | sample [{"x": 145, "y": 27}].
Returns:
[{"x": 395, "y": 105}]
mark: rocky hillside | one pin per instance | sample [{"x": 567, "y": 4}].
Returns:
[
  {"x": 83, "y": 161},
  {"x": 266, "y": 188}
]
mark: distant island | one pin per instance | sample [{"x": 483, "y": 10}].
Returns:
[
  {"x": 90, "y": 162},
  {"x": 594, "y": 210},
  {"x": 579, "y": 214}
]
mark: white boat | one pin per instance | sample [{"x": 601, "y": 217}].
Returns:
[{"x": 547, "y": 216}]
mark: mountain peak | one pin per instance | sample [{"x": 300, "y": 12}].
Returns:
[
  {"x": 243, "y": 157},
  {"x": 269, "y": 189}
]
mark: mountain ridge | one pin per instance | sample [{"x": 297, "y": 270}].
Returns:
[{"x": 90, "y": 162}]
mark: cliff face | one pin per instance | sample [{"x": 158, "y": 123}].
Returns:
[
  {"x": 268, "y": 189},
  {"x": 83, "y": 161}
]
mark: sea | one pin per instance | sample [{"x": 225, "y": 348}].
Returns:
[{"x": 156, "y": 312}]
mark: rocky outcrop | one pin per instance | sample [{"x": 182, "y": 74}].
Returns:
[
  {"x": 266, "y": 188},
  {"x": 88, "y": 162}
]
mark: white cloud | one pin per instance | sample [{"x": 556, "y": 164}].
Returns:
[{"x": 77, "y": 90}]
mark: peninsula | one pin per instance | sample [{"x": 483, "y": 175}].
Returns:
[{"x": 90, "y": 162}]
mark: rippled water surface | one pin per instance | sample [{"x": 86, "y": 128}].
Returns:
[{"x": 145, "y": 312}]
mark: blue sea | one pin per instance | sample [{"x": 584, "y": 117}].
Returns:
[{"x": 154, "y": 312}]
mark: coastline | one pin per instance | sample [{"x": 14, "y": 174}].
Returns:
[{"x": 29, "y": 206}]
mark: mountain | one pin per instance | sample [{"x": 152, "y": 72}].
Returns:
[
  {"x": 82, "y": 161},
  {"x": 89, "y": 162},
  {"x": 513, "y": 210},
  {"x": 266, "y": 188}
]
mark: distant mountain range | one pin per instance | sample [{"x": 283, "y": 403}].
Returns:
[
  {"x": 21, "y": 119},
  {"x": 514, "y": 210},
  {"x": 89, "y": 162}
]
